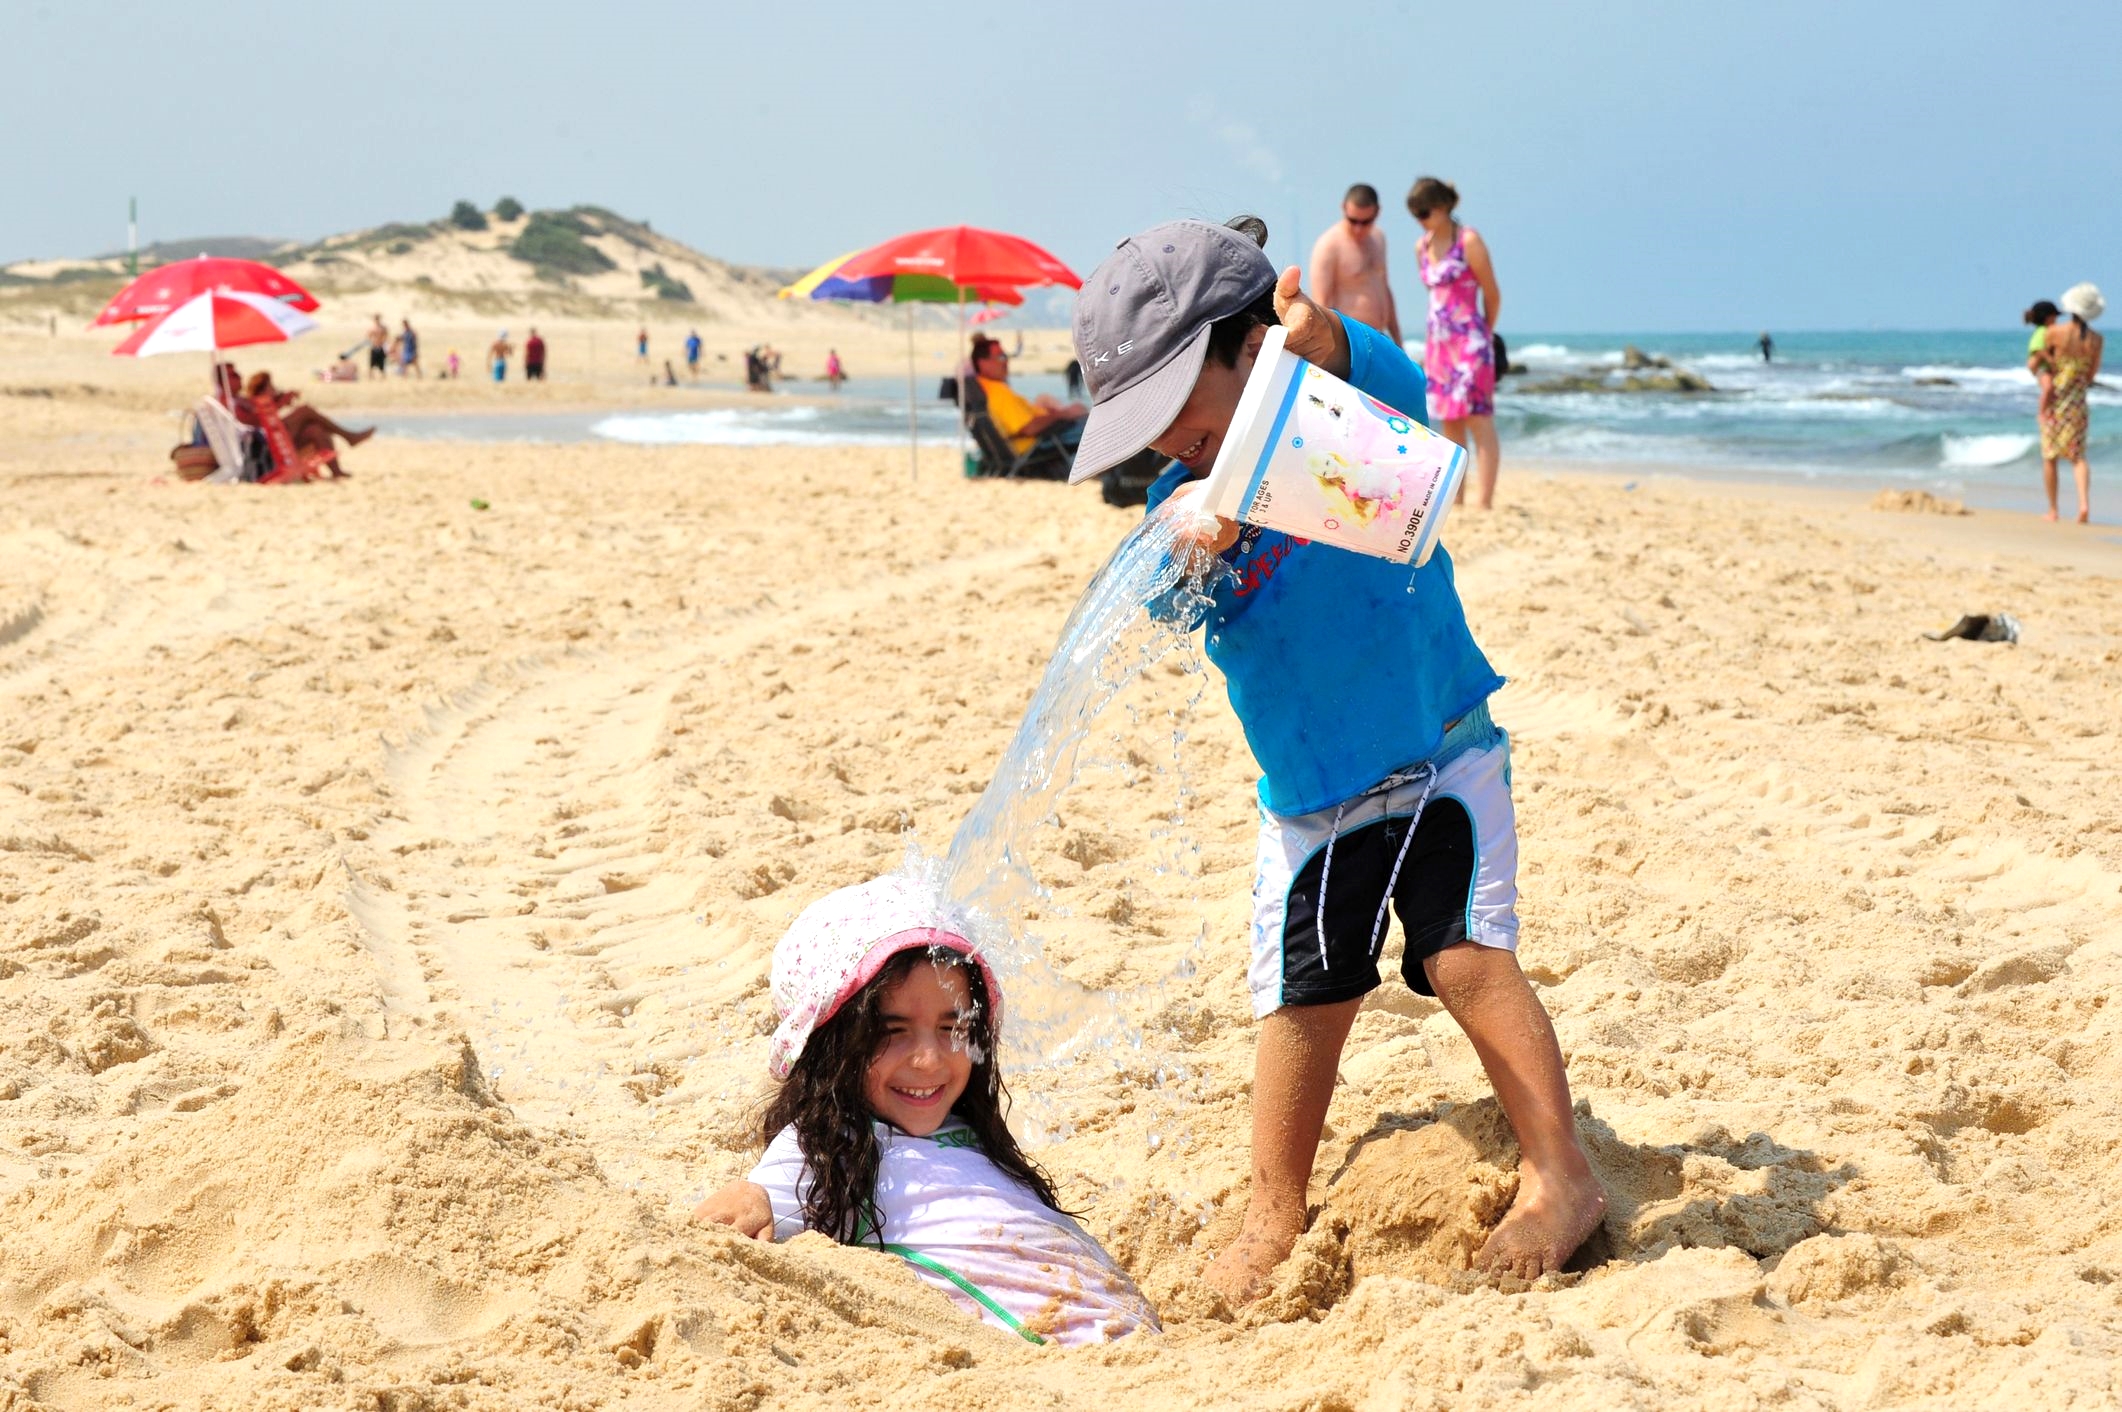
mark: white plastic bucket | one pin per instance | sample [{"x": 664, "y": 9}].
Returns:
[{"x": 1310, "y": 455}]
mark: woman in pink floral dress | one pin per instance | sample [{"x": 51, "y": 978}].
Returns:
[{"x": 1459, "y": 359}]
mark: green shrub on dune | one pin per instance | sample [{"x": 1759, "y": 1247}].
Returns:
[
  {"x": 465, "y": 216},
  {"x": 675, "y": 290},
  {"x": 551, "y": 241},
  {"x": 508, "y": 208}
]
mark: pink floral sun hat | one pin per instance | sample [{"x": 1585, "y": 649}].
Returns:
[{"x": 840, "y": 942}]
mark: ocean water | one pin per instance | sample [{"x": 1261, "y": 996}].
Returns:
[
  {"x": 865, "y": 412},
  {"x": 1952, "y": 412},
  {"x": 1948, "y": 409}
]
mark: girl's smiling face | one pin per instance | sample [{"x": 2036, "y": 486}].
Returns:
[
  {"x": 1196, "y": 434},
  {"x": 926, "y": 1058}
]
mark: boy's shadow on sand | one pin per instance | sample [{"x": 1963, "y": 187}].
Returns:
[{"x": 1418, "y": 1193}]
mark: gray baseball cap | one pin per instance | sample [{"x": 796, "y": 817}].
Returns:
[{"x": 1142, "y": 329}]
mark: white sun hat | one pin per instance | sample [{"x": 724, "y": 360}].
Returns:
[
  {"x": 2084, "y": 301},
  {"x": 839, "y": 943}
]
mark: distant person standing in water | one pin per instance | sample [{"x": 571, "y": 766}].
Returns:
[
  {"x": 641, "y": 346},
  {"x": 1767, "y": 345},
  {"x": 534, "y": 358},
  {"x": 2074, "y": 350},
  {"x": 498, "y": 353},
  {"x": 692, "y": 353},
  {"x": 1459, "y": 357},
  {"x": 835, "y": 371},
  {"x": 1348, "y": 264}
]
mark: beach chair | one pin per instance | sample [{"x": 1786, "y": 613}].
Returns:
[
  {"x": 1048, "y": 459},
  {"x": 229, "y": 438},
  {"x": 290, "y": 464}
]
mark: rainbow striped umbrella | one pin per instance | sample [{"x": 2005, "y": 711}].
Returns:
[{"x": 826, "y": 283}]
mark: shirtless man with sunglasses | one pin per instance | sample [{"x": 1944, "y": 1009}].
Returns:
[{"x": 1348, "y": 264}]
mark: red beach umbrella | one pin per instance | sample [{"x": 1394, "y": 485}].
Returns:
[
  {"x": 210, "y": 322},
  {"x": 165, "y": 287},
  {"x": 965, "y": 255}
]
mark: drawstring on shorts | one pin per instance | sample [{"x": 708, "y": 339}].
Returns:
[{"x": 1428, "y": 775}]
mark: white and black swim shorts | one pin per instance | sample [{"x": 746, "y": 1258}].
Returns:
[{"x": 1435, "y": 844}]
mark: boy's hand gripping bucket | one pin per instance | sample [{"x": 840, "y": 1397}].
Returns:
[{"x": 1311, "y": 456}]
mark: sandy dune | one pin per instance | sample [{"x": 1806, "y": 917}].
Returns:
[{"x": 388, "y": 888}]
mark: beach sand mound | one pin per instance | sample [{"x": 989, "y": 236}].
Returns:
[
  {"x": 363, "y": 1219},
  {"x": 1419, "y": 1202},
  {"x": 1920, "y": 502}
]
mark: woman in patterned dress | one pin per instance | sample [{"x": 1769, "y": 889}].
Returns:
[
  {"x": 1459, "y": 359},
  {"x": 2074, "y": 354}
]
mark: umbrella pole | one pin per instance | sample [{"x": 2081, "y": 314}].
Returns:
[
  {"x": 965, "y": 370},
  {"x": 913, "y": 435}
]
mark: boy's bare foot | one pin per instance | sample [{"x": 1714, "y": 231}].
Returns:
[
  {"x": 1550, "y": 1219},
  {"x": 1241, "y": 1273},
  {"x": 356, "y": 438},
  {"x": 2085, "y": 517},
  {"x": 2050, "y": 516}
]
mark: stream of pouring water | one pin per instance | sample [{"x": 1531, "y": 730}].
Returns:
[{"x": 1110, "y": 640}]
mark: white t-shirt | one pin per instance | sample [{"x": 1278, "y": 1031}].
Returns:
[{"x": 977, "y": 1234}]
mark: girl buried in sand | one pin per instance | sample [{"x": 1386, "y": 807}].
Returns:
[{"x": 888, "y": 1127}]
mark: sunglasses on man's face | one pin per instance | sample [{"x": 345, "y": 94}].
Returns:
[{"x": 1361, "y": 220}]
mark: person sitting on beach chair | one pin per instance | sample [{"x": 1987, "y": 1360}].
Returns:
[
  {"x": 300, "y": 437},
  {"x": 1017, "y": 437},
  {"x": 1021, "y": 421},
  {"x": 1048, "y": 457}
]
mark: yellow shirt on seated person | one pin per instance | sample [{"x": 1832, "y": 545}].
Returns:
[{"x": 1010, "y": 413}]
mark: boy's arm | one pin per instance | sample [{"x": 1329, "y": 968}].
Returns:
[
  {"x": 1312, "y": 331},
  {"x": 741, "y": 1205}
]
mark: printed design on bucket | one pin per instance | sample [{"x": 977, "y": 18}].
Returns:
[{"x": 1354, "y": 484}]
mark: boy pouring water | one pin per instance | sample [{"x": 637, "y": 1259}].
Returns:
[{"x": 1384, "y": 784}]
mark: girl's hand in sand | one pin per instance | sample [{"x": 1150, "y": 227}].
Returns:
[
  {"x": 742, "y": 1206},
  {"x": 1313, "y": 333}
]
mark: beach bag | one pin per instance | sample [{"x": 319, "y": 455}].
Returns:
[
  {"x": 1501, "y": 350},
  {"x": 193, "y": 462},
  {"x": 192, "y": 457}
]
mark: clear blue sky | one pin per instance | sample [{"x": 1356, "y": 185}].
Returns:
[{"x": 1647, "y": 166}]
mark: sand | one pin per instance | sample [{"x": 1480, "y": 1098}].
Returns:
[{"x": 387, "y": 889}]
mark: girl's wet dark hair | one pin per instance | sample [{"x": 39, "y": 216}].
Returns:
[
  {"x": 1431, "y": 194},
  {"x": 1227, "y": 335},
  {"x": 2041, "y": 313},
  {"x": 822, "y": 1098}
]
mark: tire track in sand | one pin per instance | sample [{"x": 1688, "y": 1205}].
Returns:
[{"x": 534, "y": 894}]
